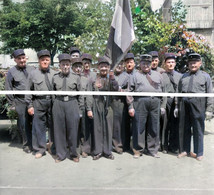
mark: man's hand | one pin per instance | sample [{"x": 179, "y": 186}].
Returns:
[
  {"x": 30, "y": 111},
  {"x": 176, "y": 112},
  {"x": 163, "y": 111},
  {"x": 111, "y": 74},
  {"x": 131, "y": 112},
  {"x": 12, "y": 108},
  {"x": 208, "y": 115},
  {"x": 90, "y": 114}
]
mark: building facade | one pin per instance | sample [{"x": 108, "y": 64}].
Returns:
[{"x": 200, "y": 16}]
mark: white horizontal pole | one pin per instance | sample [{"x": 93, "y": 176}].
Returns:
[{"x": 107, "y": 93}]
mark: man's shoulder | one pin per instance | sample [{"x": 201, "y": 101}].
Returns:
[
  {"x": 30, "y": 68},
  {"x": 12, "y": 70}
]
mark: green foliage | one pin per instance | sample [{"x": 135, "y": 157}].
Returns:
[
  {"x": 179, "y": 13},
  {"x": 182, "y": 39},
  {"x": 40, "y": 24},
  {"x": 58, "y": 24},
  {"x": 150, "y": 31},
  {"x": 97, "y": 16},
  {"x": 3, "y": 101}
]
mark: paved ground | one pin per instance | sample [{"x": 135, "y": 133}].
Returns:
[{"x": 21, "y": 173}]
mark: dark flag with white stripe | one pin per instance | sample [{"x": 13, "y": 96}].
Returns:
[{"x": 121, "y": 35}]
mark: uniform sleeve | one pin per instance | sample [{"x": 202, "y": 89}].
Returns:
[
  {"x": 209, "y": 103},
  {"x": 54, "y": 88},
  {"x": 81, "y": 97},
  {"x": 9, "y": 87},
  {"x": 89, "y": 98},
  {"x": 29, "y": 87},
  {"x": 164, "y": 99},
  {"x": 131, "y": 88},
  {"x": 114, "y": 86}
]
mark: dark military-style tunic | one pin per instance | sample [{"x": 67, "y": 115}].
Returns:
[
  {"x": 122, "y": 123},
  {"x": 86, "y": 122},
  {"x": 170, "y": 128},
  {"x": 66, "y": 115},
  {"x": 42, "y": 104},
  {"x": 16, "y": 80},
  {"x": 102, "y": 123},
  {"x": 192, "y": 110},
  {"x": 147, "y": 111}
]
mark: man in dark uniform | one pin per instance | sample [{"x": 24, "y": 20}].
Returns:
[
  {"x": 74, "y": 52},
  {"x": 86, "y": 123},
  {"x": 87, "y": 61},
  {"x": 193, "y": 110},
  {"x": 98, "y": 108},
  {"x": 65, "y": 107},
  {"x": 117, "y": 106},
  {"x": 39, "y": 106},
  {"x": 146, "y": 110},
  {"x": 123, "y": 81},
  {"x": 155, "y": 62},
  {"x": 16, "y": 80},
  {"x": 170, "y": 133}
]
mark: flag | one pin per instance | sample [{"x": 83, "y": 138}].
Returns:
[{"x": 121, "y": 35}]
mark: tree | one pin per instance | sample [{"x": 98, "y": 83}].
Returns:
[
  {"x": 150, "y": 31},
  {"x": 40, "y": 24},
  {"x": 98, "y": 17}
]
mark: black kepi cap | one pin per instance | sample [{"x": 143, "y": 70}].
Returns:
[
  {"x": 154, "y": 54},
  {"x": 129, "y": 56},
  {"x": 18, "y": 52},
  {"x": 86, "y": 56},
  {"x": 169, "y": 56},
  {"x": 194, "y": 57},
  {"x": 103, "y": 60},
  {"x": 64, "y": 56},
  {"x": 76, "y": 61},
  {"x": 43, "y": 53},
  {"x": 146, "y": 57},
  {"x": 74, "y": 49}
]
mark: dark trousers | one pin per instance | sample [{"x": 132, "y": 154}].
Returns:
[
  {"x": 66, "y": 121},
  {"x": 147, "y": 115},
  {"x": 170, "y": 133},
  {"x": 41, "y": 122},
  {"x": 24, "y": 123},
  {"x": 118, "y": 107},
  {"x": 86, "y": 133},
  {"x": 102, "y": 127},
  {"x": 193, "y": 115}
]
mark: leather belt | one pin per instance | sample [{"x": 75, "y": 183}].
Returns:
[
  {"x": 65, "y": 98},
  {"x": 20, "y": 96},
  {"x": 42, "y": 97}
]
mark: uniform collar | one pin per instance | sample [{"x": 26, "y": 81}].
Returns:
[
  {"x": 20, "y": 68},
  {"x": 45, "y": 71},
  {"x": 171, "y": 73}
]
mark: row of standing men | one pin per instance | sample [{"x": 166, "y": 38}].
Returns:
[{"x": 100, "y": 123}]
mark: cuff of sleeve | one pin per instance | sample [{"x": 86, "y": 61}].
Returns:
[{"x": 131, "y": 106}]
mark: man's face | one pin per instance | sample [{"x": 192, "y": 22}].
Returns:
[
  {"x": 65, "y": 66},
  {"x": 20, "y": 61},
  {"x": 77, "y": 68},
  {"x": 155, "y": 62},
  {"x": 86, "y": 64},
  {"x": 75, "y": 55},
  {"x": 119, "y": 69},
  {"x": 170, "y": 65},
  {"x": 44, "y": 62},
  {"x": 194, "y": 65},
  {"x": 104, "y": 69},
  {"x": 145, "y": 66},
  {"x": 130, "y": 64}
]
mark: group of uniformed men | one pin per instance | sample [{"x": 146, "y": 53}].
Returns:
[{"x": 99, "y": 124}]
